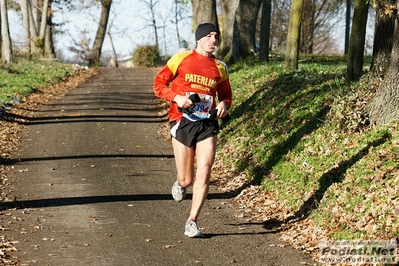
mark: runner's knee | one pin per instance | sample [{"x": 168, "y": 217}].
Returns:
[{"x": 185, "y": 182}]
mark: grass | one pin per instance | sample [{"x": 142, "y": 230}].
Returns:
[
  {"x": 301, "y": 135},
  {"x": 26, "y": 76}
]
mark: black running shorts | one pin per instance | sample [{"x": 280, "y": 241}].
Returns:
[{"x": 189, "y": 133}]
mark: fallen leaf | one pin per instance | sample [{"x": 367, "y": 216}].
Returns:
[{"x": 164, "y": 247}]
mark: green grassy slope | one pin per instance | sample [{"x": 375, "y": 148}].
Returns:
[
  {"x": 303, "y": 138},
  {"x": 26, "y": 76}
]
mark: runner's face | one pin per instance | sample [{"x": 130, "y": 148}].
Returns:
[{"x": 207, "y": 44}]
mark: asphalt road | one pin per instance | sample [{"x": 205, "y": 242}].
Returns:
[{"x": 93, "y": 179}]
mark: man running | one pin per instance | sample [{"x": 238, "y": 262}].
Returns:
[{"x": 192, "y": 81}]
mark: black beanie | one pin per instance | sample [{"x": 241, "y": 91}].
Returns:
[{"x": 204, "y": 29}]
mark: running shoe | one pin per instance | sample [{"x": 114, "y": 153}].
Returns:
[
  {"x": 178, "y": 192},
  {"x": 192, "y": 230}
]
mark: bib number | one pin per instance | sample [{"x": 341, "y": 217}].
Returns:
[{"x": 200, "y": 110}]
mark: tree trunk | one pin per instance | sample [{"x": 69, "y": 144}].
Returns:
[
  {"x": 48, "y": 38},
  {"x": 356, "y": 44},
  {"x": 307, "y": 27},
  {"x": 227, "y": 17},
  {"x": 244, "y": 44},
  {"x": 25, "y": 20},
  {"x": 383, "y": 41},
  {"x": 204, "y": 11},
  {"x": 347, "y": 25},
  {"x": 294, "y": 29},
  {"x": 34, "y": 4},
  {"x": 265, "y": 30},
  {"x": 5, "y": 33},
  {"x": 48, "y": 43},
  {"x": 95, "y": 54},
  {"x": 33, "y": 33},
  {"x": 1, "y": 39},
  {"x": 43, "y": 22},
  {"x": 113, "y": 49},
  {"x": 176, "y": 19},
  {"x": 154, "y": 24},
  {"x": 383, "y": 108}
]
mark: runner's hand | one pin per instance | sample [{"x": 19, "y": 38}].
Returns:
[
  {"x": 222, "y": 110},
  {"x": 183, "y": 101}
]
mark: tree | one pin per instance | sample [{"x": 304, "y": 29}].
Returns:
[
  {"x": 6, "y": 48},
  {"x": 357, "y": 40},
  {"x": 38, "y": 27},
  {"x": 322, "y": 16},
  {"x": 307, "y": 27},
  {"x": 265, "y": 30},
  {"x": 204, "y": 11},
  {"x": 227, "y": 17},
  {"x": 383, "y": 41},
  {"x": 244, "y": 43},
  {"x": 37, "y": 24},
  {"x": 383, "y": 108},
  {"x": 347, "y": 25},
  {"x": 110, "y": 36},
  {"x": 279, "y": 25},
  {"x": 294, "y": 28},
  {"x": 48, "y": 36},
  {"x": 180, "y": 12},
  {"x": 1, "y": 39},
  {"x": 95, "y": 54},
  {"x": 151, "y": 4},
  {"x": 25, "y": 21}
]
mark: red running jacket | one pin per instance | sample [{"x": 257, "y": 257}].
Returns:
[{"x": 189, "y": 72}]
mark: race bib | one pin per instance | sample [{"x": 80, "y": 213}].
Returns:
[{"x": 200, "y": 110}]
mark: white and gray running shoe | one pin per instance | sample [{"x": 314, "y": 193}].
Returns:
[
  {"x": 178, "y": 192},
  {"x": 192, "y": 230}
]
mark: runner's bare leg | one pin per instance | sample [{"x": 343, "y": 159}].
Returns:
[
  {"x": 184, "y": 159},
  {"x": 205, "y": 152}
]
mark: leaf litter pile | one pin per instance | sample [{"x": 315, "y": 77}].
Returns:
[{"x": 11, "y": 131}]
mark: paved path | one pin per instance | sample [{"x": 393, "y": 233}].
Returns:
[{"x": 93, "y": 180}]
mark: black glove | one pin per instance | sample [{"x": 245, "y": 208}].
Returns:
[
  {"x": 194, "y": 98},
  {"x": 213, "y": 114}
]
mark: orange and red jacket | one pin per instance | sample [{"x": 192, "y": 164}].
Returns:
[{"x": 192, "y": 72}]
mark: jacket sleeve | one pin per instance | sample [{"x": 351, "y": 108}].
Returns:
[
  {"x": 225, "y": 93},
  {"x": 161, "y": 84},
  {"x": 224, "y": 89}
]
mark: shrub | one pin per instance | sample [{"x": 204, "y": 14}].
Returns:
[{"x": 146, "y": 56}]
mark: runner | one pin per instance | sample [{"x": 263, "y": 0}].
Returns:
[{"x": 192, "y": 81}]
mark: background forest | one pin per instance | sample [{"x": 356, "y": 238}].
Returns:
[{"x": 74, "y": 25}]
